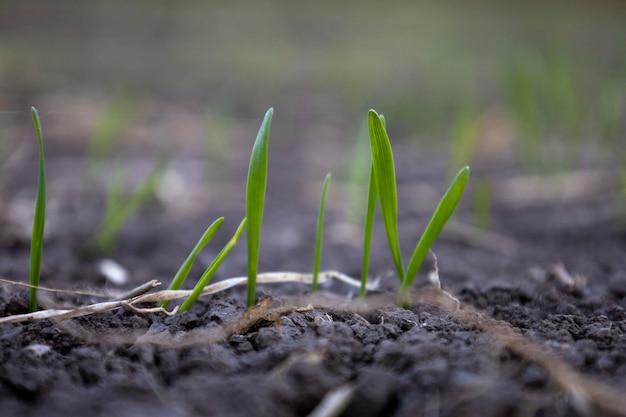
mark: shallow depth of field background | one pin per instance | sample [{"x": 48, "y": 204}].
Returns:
[{"x": 536, "y": 86}]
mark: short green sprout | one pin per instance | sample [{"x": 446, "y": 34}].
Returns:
[
  {"x": 320, "y": 232},
  {"x": 367, "y": 235},
  {"x": 185, "y": 268},
  {"x": 39, "y": 221},
  {"x": 210, "y": 271}
]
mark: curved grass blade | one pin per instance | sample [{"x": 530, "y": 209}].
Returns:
[
  {"x": 385, "y": 177},
  {"x": 369, "y": 227},
  {"x": 183, "y": 272},
  {"x": 39, "y": 221},
  {"x": 441, "y": 215},
  {"x": 320, "y": 231},
  {"x": 255, "y": 200},
  {"x": 210, "y": 271}
]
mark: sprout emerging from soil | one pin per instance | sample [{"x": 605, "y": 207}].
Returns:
[
  {"x": 320, "y": 232},
  {"x": 367, "y": 235},
  {"x": 385, "y": 183},
  {"x": 255, "y": 200},
  {"x": 185, "y": 268},
  {"x": 210, "y": 271},
  {"x": 39, "y": 221},
  {"x": 382, "y": 187}
]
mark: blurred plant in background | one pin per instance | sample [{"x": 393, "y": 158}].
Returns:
[{"x": 554, "y": 74}]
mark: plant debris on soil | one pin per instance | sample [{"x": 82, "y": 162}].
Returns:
[{"x": 533, "y": 327}]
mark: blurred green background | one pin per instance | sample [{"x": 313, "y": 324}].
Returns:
[
  {"x": 521, "y": 91},
  {"x": 542, "y": 79}
]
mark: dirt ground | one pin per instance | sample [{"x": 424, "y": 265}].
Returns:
[{"x": 539, "y": 330}]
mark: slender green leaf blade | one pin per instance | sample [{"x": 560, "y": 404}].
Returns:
[
  {"x": 255, "y": 200},
  {"x": 320, "y": 232},
  {"x": 441, "y": 215},
  {"x": 183, "y": 271},
  {"x": 369, "y": 227},
  {"x": 39, "y": 221},
  {"x": 385, "y": 177},
  {"x": 210, "y": 271}
]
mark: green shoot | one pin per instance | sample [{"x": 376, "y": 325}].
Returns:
[
  {"x": 255, "y": 200},
  {"x": 385, "y": 179},
  {"x": 185, "y": 268},
  {"x": 118, "y": 210},
  {"x": 441, "y": 215},
  {"x": 39, "y": 221},
  {"x": 210, "y": 271},
  {"x": 319, "y": 235},
  {"x": 369, "y": 227},
  {"x": 383, "y": 172}
]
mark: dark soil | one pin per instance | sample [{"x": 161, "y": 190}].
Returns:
[{"x": 520, "y": 344}]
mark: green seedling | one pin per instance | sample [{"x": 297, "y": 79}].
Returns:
[
  {"x": 255, "y": 200},
  {"x": 385, "y": 179},
  {"x": 210, "y": 271},
  {"x": 440, "y": 217},
  {"x": 319, "y": 235},
  {"x": 39, "y": 221},
  {"x": 185, "y": 268},
  {"x": 367, "y": 235},
  {"x": 118, "y": 209}
]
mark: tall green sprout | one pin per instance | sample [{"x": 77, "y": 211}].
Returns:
[
  {"x": 384, "y": 175},
  {"x": 255, "y": 200},
  {"x": 320, "y": 233},
  {"x": 39, "y": 221}
]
